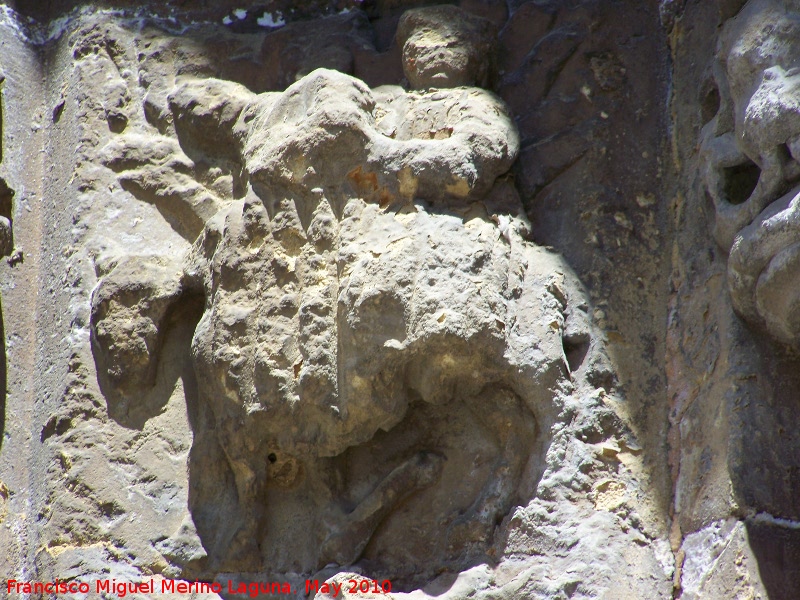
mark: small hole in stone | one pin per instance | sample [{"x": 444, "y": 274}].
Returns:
[
  {"x": 57, "y": 111},
  {"x": 272, "y": 458},
  {"x": 740, "y": 181},
  {"x": 117, "y": 122},
  {"x": 784, "y": 153},
  {"x": 710, "y": 102},
  {"x": 575, "y": 349}
]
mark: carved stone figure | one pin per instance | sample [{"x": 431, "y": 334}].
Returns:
[
  {"x": 751, "y": 149},
  {"x": 368, "y": 291},
  {"x": 305, "y": 329}
]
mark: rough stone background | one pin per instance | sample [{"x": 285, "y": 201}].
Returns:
[{"x": 609, "y": 98}]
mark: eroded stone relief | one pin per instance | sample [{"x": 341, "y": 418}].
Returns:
[
  {"x": 750, "y": 151},
  {"x": 369, "y": 292},
  {"x": 324, "y": 299}
]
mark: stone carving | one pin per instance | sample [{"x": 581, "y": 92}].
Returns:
[
  {"x": 377, "y": 332},
  {"x": 750, "y": 150},
  {"x": 334, "y": 287},
  {"x": 445, "y": 47}
]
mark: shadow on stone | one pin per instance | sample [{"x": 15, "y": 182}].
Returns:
[
  {"x": 777, "y": 550},
  {"x": 173, "y": 356}
]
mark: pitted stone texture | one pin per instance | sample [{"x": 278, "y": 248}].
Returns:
[
  {"x": 312, "y": 346},
  {"x": 337, "y": 330},
  {"x": 155, "y": 169},
  {"x": 444, "y": 47},
  {"x": 330, "y": 319}
]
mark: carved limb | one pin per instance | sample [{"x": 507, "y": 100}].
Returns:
[{"x": 346, "y": 543}]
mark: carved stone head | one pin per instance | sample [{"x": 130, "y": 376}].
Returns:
[{"x": 750, "y": 150}]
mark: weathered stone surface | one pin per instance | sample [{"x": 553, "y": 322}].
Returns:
[
  {"x": 391, "y": 146},
  {"x": 356, "y": 362},
  {"x": 129, "y": 310},
  {"x": 718, "y": 563},
  {"x": 343, "y": 42}
]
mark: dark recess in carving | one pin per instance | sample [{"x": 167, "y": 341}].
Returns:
[
  {"x": 6, "y": 246},
  {"x": 3, "y": 378},
  {"x": 710, "y": 102},
  {"x": 740, "y": 181}
]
